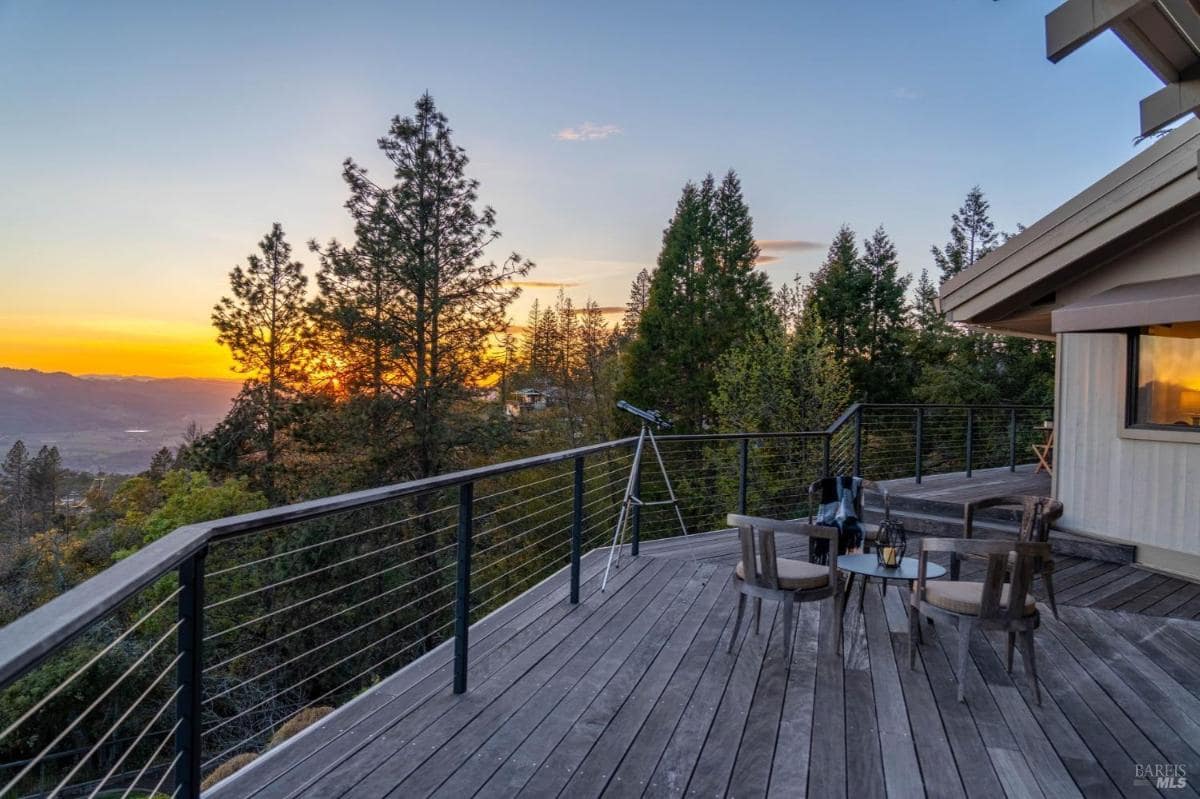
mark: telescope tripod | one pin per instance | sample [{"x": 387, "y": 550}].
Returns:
[{"x": 631, "y": 500}]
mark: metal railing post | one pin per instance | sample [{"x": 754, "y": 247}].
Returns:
[
  {"x": 462, "y": 593},
  {"x": 743, "y": 464},
  {"x": 858, "y": 417},
  {"x": 920, "y": 439},
  {"x": 825, "y": 454},
  {"x": 189, "y": 674},
  {"x": 1012, "y": 440},
  {"x": 576, "y": 530},
  {"x": 970, "y": 438},
  {"x": 635, "y": 537}
]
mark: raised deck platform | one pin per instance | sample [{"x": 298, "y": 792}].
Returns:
[
  {"x": 631, "y": 693},
  {"x": 935, "y": 506}
]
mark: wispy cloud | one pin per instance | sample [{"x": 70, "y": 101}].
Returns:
[
  {"x": 542, "y": 284},
  {"x": 905, "y": 93},
  {"x": 770, "y": 249},
  {"x": 588, "y": 131}
]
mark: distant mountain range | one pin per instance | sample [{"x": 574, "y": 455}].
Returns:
[{"x": 114, "y": 424}]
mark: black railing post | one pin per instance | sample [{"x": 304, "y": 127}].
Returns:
[
  {"x": 189, "y": 673},
  {"x": 743, "y": 464},
  {"x": 635, "y": 537},
  {"x": 462, "y": 593},
  {"x": 920, "y": 439},
  {"x": 1012, "y": 440},
  {"x": 858, "y": 418},
  {"x": 825, "y": 454},
  {"x": 970, "y": 438},
  {"x": 576, "y": 530}
]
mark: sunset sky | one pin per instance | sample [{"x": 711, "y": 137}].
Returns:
[{"x": 146, "y": 147}]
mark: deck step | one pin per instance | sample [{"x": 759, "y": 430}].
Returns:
[{"x": 932, "y": 517}]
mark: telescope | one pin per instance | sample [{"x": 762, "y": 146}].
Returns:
[
  {"x": 632, "y": 501},
  {"x": 651, "y": 417}
]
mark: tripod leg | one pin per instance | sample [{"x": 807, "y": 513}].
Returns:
[
  {"x": 667, "y": 480},
  {"x": 619, "y": 532}
]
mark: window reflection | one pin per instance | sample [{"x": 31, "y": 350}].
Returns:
[{"x": 1168, "y": 375}]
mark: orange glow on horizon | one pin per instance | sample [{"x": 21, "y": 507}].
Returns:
[{"x": 113, "y": 346}]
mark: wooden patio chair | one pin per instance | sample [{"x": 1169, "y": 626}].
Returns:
[
  {"x": 867, "y": 485},
  {"x": 1038, "y": 515},
  {"x": 782, "y": 579},
  {"x": 994, "y": 604}
]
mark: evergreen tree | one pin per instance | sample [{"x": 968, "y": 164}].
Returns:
[
  {"x": 162, "y": 462},
  {"x": 431, "y": 300},
  {"x": 972, "y": 236},
  {"x": 509, "y": 351},
  {"x": 14, "y": 481},
  {"x": 639, "y": 296},
  {"x": 265, "y": 326},
  {"x": 788, "y": 304},
  {"x": 45, "y": 479},
  {"x": 883, "y": 372},
  {"x": 839, "y": 296},
  {"x": 961, "y": 366},
  {"x": 705, "y": 297},
  {"x": 598, "y": 344}
]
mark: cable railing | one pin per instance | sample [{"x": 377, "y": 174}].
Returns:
[{"x": 213, "y": 644}]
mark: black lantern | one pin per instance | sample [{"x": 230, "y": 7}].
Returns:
[{"x": 891, "y": 541}]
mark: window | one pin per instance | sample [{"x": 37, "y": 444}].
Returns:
[{"x": 1164, "y": 376}]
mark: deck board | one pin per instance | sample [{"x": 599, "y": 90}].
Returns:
[{"x": 632, "y": 693}]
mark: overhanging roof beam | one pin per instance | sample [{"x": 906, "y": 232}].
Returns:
[
  {"x": 1076, "y": 22},
  {"x": 1171, "y": 102}
]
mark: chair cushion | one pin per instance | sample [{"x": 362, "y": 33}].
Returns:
[
  {"x": 961, "y": 596},
  {"x": 795, "y": 575}
]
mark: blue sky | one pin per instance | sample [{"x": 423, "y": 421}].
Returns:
[{"x": 146, "y": 147}]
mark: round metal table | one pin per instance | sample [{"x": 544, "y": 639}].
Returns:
[{"x": 867, "y": 566}]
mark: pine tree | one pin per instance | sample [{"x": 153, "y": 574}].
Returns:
[
  {"x": 162, "y": 462},
  {"x": 14, "y": 481},
  {"x": 431, "y": 299},
  {"x": 639, "y": 296},
  {"x": 972, "y": 236},
  {"x": 961, "y": 366},
  {"x": 705, "y": 297},
  {"x": 45, "y": 479},
  {"x": 882, "y": 371},
  {"x": 839, "y": 296},
  {"x": 509, "y": 352},
  {"x": 598, "y": 345},
  {"x": 265, "y": 325}
]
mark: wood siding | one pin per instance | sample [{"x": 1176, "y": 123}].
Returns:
[{"x": 1144, "y": 492}]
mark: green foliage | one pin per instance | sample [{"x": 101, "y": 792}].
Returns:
[
  {"x": 966, "y": 366},
  {"x": 972, "y": 236},
  {"x": 780, "y": 383},
  {"x": 705, "y": 298},
  {"x": 266, "y": 326}
]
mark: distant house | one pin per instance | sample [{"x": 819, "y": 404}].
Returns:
[
  {"x": 526, "y": 400},
  {"x": 1113, "y": 276}
]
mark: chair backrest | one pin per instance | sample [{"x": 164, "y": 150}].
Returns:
[
  {"x": 1001, "y": 563},
  {"x": 1038, "y": 515},
  {"x": 756, "y": 537}
]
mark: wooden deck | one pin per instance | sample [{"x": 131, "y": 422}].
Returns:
[
  {"x": 631, "y": 693},
  {"x": 958, "y": 488}
]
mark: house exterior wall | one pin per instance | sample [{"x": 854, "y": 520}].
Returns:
[{"x": 1123, "y": 484}]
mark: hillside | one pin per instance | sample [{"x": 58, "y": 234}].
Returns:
[{"x": 112, "y": 424}]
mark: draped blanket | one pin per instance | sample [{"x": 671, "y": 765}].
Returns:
[{"x": 839, "y": 496}]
